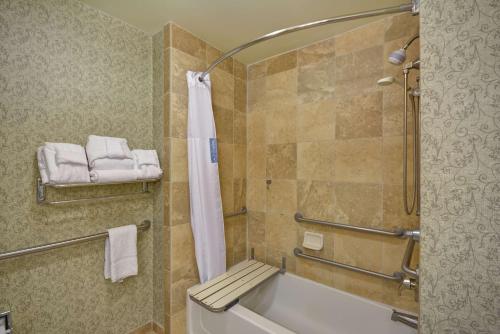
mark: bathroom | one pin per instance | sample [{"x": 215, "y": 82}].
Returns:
[{"x": 350, "y": 185}]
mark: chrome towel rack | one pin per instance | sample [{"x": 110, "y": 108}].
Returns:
[
  {"x": 41, "y": 191},
  {"x": 397, "y": 276},
  {"x": 64, "y": 243},
  {"x": 242, "y": 211},
  {"x": 400, "y": 233}
]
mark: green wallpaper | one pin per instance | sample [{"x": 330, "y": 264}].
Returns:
[
  {"x": 460, "y": 262},
  {"x": 67, "y": 71}
]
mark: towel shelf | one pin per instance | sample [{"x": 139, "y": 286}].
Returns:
[
  {"x": 58, "y": 244},
  {"x": 41, "y": 193}
]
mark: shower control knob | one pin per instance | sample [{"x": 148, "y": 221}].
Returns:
[{"x": 407, "y": 283}]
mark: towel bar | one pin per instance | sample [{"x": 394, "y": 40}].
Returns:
[
  {"x": 58, "y": 244},
  {"x": 41, "y": 194},
  {"x": 397, "y": 276}
]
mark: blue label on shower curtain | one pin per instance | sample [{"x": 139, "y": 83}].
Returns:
[{"x": 213, "y": 149}]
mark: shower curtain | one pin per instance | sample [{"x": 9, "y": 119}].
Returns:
[{"x": 207, "y": 220}]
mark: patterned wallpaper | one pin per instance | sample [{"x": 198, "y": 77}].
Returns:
[
  {"x": 460, "y": 290},
  {"x": 67, "y": 71}
]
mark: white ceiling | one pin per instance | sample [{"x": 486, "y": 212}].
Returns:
[{"x": 226, "y": 24}]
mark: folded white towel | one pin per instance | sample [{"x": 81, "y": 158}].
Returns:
[
  {"x": 68, "y": 153},
  {"x": 42, "y": 167},
  {"x": 147, "y": 164},
  {"x": 53, "y": 172},
  {"x": 118, "y": 175},
  {"x": 99, "y": 147},
  {"x": 120, "y": 253},
  {"x": 146, "y": 157},
  {"x": 149, "y": 172},
  {"x": 111, "y": 164}
]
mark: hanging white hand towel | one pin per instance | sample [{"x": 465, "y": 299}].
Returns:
[
  {"x": 207, "y": 220},
  {"x": 120, "y": 253}
]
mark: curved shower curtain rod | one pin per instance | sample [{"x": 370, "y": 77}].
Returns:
[{"x": 412, "y": 7}]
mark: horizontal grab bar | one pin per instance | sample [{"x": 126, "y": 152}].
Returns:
[
  {"x": 397, "y": 276},
  {"x": 239, "y": 213},
  {"x": 392, "y": 233},
  {"x": 58, "y": 244}
]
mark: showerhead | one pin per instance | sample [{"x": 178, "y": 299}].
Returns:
[{"x": 397, "y": 57}]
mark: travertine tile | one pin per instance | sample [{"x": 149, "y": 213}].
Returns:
[
  {"x": 223, "y": 124},
  {"x": 315, "y": 160},
  {"x": 239, "y": 193},
  {"x": 256, "y": 227},
  {"x": 256, "y": 128},
  {"x": 281, "y": 89},
  {"x": 282, "y": 197},
  {"x": 358, "y": 160},
  {"x": 256, "y": 161},
  {"x": 181, "y": 63},
  {"x": 239, "y": 70},
  {"x": 358, "y": 249},
  {"x": 316, "y": 121},
  {"x": 316, "y": 53},
  {"x": 179, "y": 162},
  {"x": 166, "y": 35},
  {"x": 316, "y": 81},
  {"x": 359, "y": 116},
  {"x": 183, "y": 255},
  {"x": 256, "y": 94},
  {"x": 222, "y": 89},
  {"x": 257, "y": 70},
  {"x": 178, "y": 112},
  {"x": 274, "y": 256},
  {"x": 240, "y": 127},
  {"x": 281, "y": 232},
  {"x": 393, "y": 160},
  {"x": 213, "y": 54},
  {"x": 316, "y": 199},
  {"x": 179, "y": 322},
  {"x": 226, "y": 175},
  {"x": 240, "y": 161},
  {"x": 394, "y": 214},
  {"x": 358, "y": 284},
  {"x": 186, "y": 42},
  {"x": 397, "y": 26},
  {"x": 281, "y": 161},
  {"x": 180, "y": 210},
  {"x": 361, "y": 38},
  {"x": 281, "y": 125},
  {"x": 281, "y": 63},
  {"x": 318, "y": 272},
  {"x": 256, "y": 194},
  {"x": 359, "y": 204},
  {"x": 240, "y": 95}
]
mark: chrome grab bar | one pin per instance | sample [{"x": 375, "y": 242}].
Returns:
[
  {"x": 58, "y": 244},
  {"x": 413, "y": 273},
  {"x": 392, "y": 233},
  {"x": 41, "y": 194},
  {"x": 242, "y": 211},
  {"x": 405, "y": 318},
  {"x": 397, "y": 276}
]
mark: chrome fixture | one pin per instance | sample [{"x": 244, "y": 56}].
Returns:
[
  {"x": 412, "y": 7},
  {"x": 6, "y": 322},
  {"x": 397, "y": 276},
  {"x": 391, "y": 233},
  {"x": 58, "y": 244},
  {"x": 398, "y": 56},
  {"x": 242, "y": 211},
  {"x": 41, "y": 191},
  {"x": 386, "y": 81},
  {"x": 405, "y": 318}
]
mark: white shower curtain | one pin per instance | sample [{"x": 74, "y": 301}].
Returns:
[{"x": 207, "y": 220}]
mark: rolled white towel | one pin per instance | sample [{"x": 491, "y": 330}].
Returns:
[
  {"x": 147, "y": 164},
  {"x": 68, "y": 153},
  {"x": 58, "y": 173},
  {"x": 117, "y": 175},
  {"x": 112, "y": 164},
  {"x": 99, "y": 147},
  {"x": 42, "y": 166}
]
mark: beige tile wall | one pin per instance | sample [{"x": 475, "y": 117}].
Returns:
[
  {"x": 330, "y": 142},
  {"x": 184, "y": 52}
]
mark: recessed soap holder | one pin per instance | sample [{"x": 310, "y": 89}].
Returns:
[{"x": 313, "y": 241}]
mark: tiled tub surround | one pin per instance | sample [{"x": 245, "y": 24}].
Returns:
[
  {"x": 183, "y": 52},
  {"x": 67, "y": 71},
  {"x": 329, "y": 140}
]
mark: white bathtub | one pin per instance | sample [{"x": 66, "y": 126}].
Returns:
[{"x": 289, "y": 304}]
